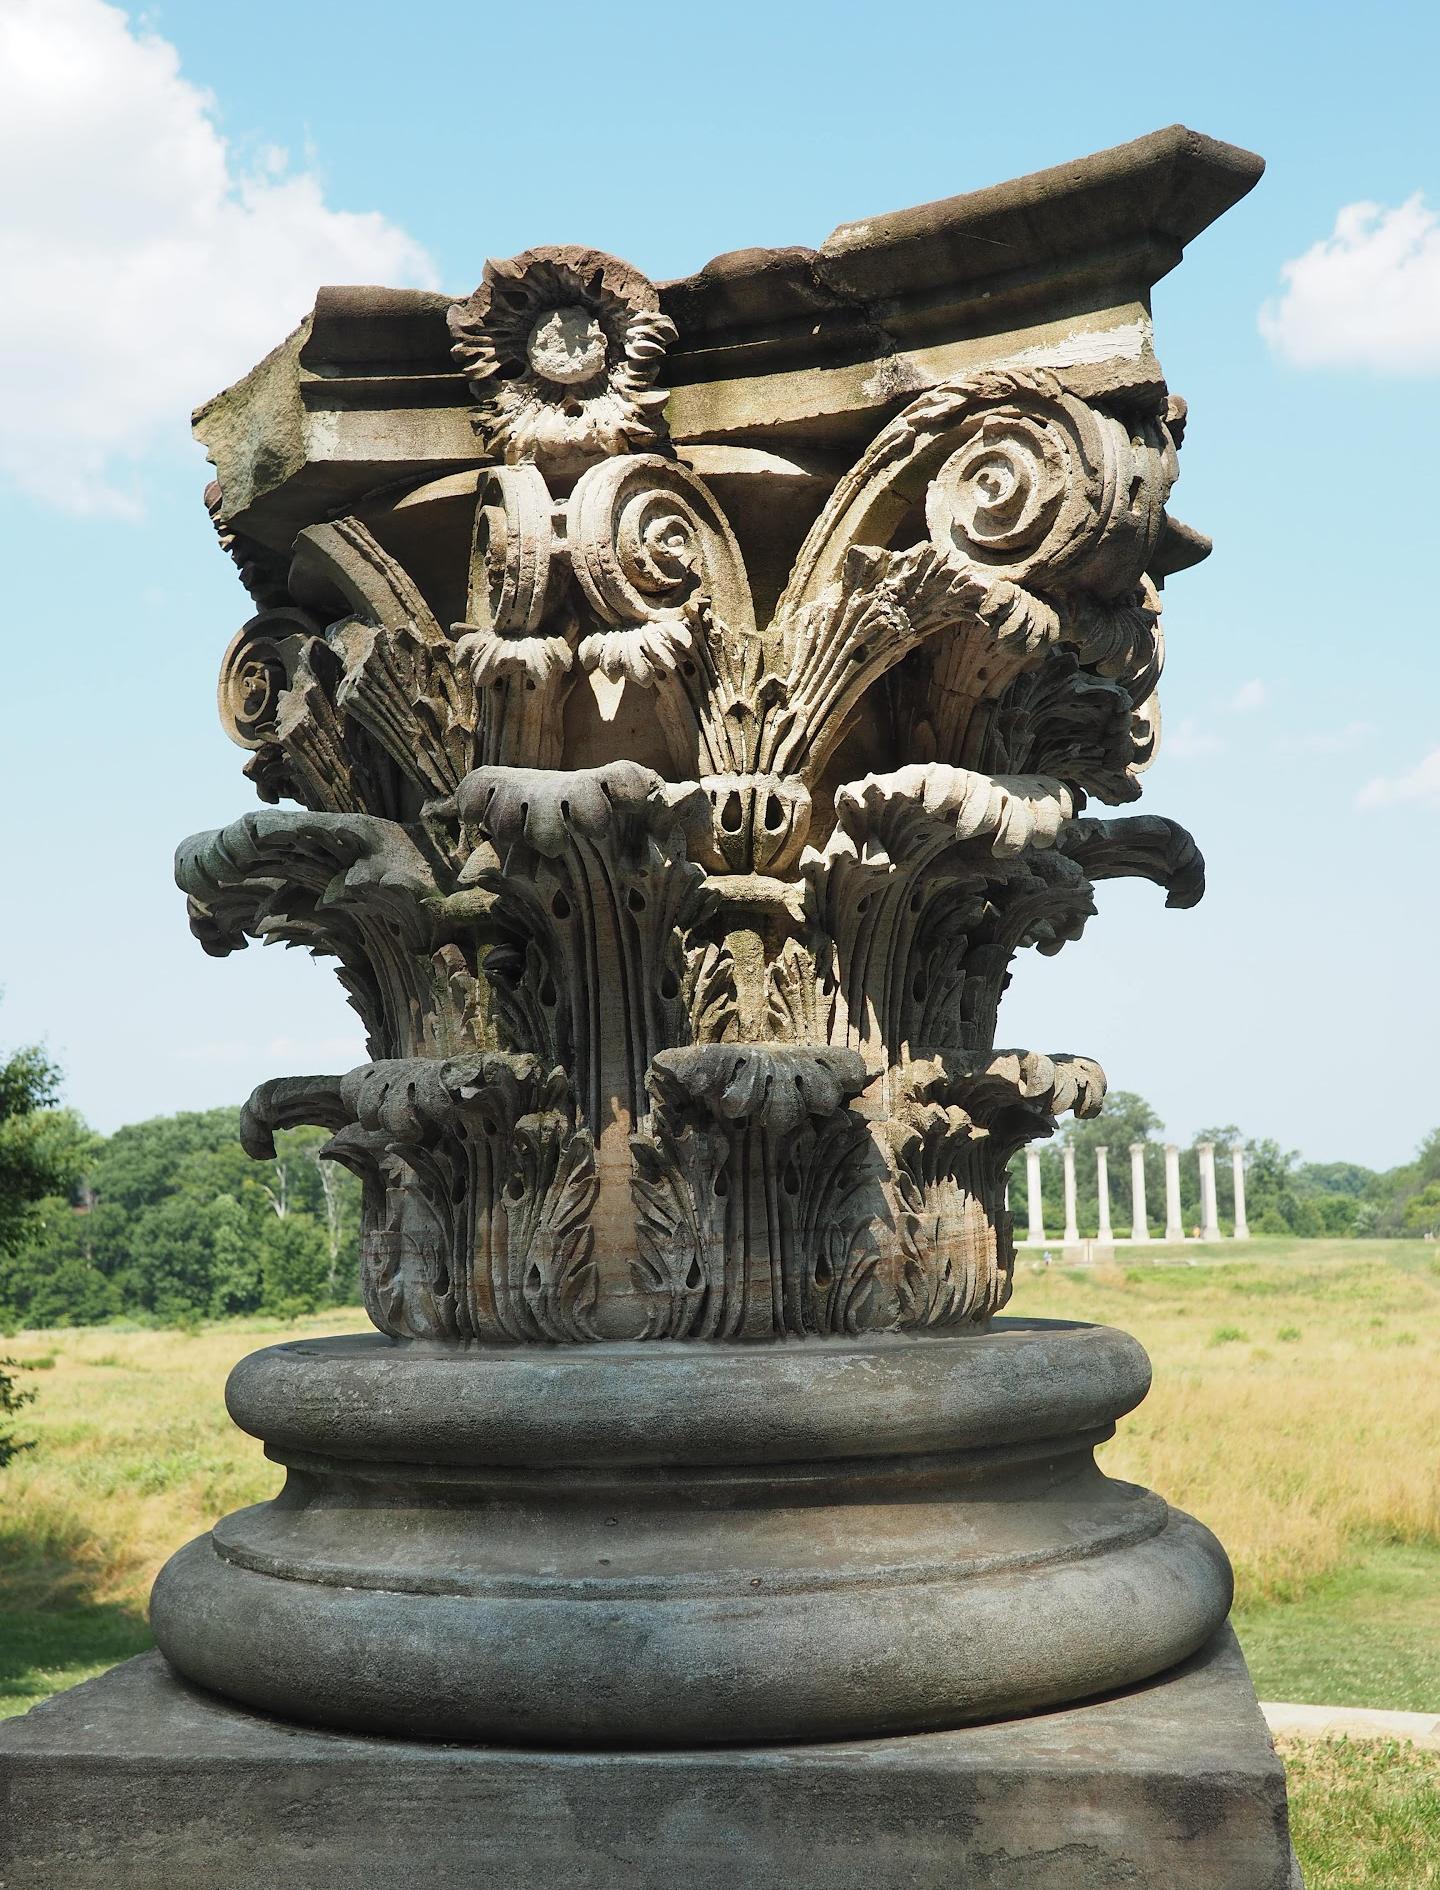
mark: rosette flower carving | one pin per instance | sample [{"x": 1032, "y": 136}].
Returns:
[{"x": 562, "y": 347}]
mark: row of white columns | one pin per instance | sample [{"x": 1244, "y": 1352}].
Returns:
[{"x": 1139, "y": 1220}]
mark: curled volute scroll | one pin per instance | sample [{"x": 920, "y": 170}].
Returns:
[
  {"x": 590, "y": 557},
  {"x": 680, "y": 937},
  {"x": 1037, "y": 515}
]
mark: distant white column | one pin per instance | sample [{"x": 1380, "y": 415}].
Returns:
[
  {"x": 1139, "y": 1223},
  {"x": 1032, "y": 1186},
  {"x": 1102, "y": 1188},
  {"x": 1242, "y": 1226},
  {"x": 1072, "y": 1232},
  {"x": 1209, "y": 1217},
  {"x": 1174, "y": 1226}
]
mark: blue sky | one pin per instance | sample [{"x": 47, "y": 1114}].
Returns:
[{"x": 175, "y": 184}]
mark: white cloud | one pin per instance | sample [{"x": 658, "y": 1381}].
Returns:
[
  {"x": 1422, "y": 783},
  {"x": 1188, "y": 740},
  {"x": 1327, "y": 741},
  {"x": 1367, "y": 296},
  {"x": 143, "y": 267},
  {"x": 1249, "y": 696}
]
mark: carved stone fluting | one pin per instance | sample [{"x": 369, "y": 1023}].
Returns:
[
  {"x": 1139, "y": 1222},
  {"x": 737, "y": 899},
  {"x": 1071, "y": 1235},
  {"x": 1102, "y": 1189},
  {"x": 1209, "y": 1209},
  {"x": 1035, "y": 1232},
  {"x": 1174, "y": 1223},
  {"x": 958, "y": 1122}
]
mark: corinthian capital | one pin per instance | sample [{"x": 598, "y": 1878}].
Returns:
[{"x": 719, "y": 769}]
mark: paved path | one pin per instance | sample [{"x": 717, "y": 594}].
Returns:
[{"x": 1352, "y": 1722}]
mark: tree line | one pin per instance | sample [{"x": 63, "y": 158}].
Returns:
[
  {"x": 169, "y": 1220},
  {"x": 166, "y": 1220}
]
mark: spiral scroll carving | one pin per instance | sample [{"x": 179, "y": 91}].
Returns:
[
  {"x": 1045, "y": 490},
  {"x": 255, "y": 672},
  {"x": 656, "y": 561},
  {"x": 511, "y": 556}
]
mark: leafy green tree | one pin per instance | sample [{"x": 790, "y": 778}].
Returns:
[
  {"x": 1393, "y": 1193},
  {"x": 332, "y": 1195},
  {"x": 182, "y": 1251},
  {"x": 140, "y": 1164},
  {"x": 236, "y": 1281},
  {"x": 1422, "y": 1212},
  {"x": 1337, "y": 1214},
  {"x": 53, "y": 1277},
  {"x": 294, "y": 1265},
  {"x": 1341, "y": 1178},
  {"x": 42, "y": 1147},
  {"x": 11, "y": 1400},
  {"x": 167, "y": 1218},
  {"x": 42, "y": 1151}
]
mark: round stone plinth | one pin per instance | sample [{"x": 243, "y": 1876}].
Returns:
[{"x": 681, "y": 1545}]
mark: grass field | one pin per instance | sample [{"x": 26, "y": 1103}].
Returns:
[{"x": 1296, "y": 1408}]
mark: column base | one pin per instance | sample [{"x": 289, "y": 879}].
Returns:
[
  {"x": 685, "y": 1545},
  {"x": 138, "y": 1781}
]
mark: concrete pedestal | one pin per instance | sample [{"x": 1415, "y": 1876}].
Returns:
[{"x": 137, "y": 1781}]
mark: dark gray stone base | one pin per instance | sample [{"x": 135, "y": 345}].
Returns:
[
  {"x": 136, "y": 1781},
  {"x": 678, "y": 1545}
]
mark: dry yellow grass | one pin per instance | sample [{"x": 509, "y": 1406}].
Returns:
[
  {"x": 135, "y": 1453},
  {"x": 1296, "y": 1404},
  {"x": 1314, "y": 1428}
]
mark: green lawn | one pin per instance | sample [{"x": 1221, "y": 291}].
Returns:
[
  {"x": 1364, "y": 1816},
  {"x": 43, "y": 1651},
  {"x": 1368, "y": 1635}
]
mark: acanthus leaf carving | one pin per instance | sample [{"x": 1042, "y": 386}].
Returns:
[
  {"x": 1040, "y": 513},
  {"x": 757, "y": 1193},
  {"x": 478, "y": 1190},
  {"x": 956, "y": 1123},
  {"x": 348, "y": 886},
  {"x": 592, "y": 884}
]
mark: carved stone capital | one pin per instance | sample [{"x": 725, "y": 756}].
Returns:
[{"x": 737, "y": 832}]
